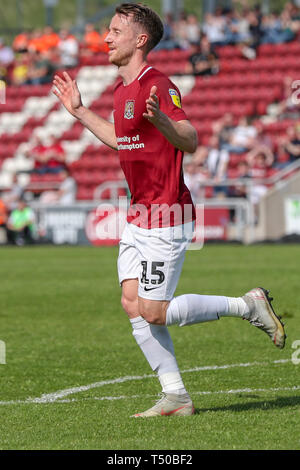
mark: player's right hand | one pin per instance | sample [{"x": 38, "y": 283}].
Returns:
[{"x": 67, "y": 92}]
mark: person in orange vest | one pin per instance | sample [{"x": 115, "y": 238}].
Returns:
[
  {"x": 93, "y": 41},
  {"x": 3, "y": 213},
  {"x": 50, "y": 38},
  {"x": 20, "y": 42}
]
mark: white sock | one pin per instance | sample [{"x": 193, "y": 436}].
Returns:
[
  {"x": 192, "y": 308},
  {"x": 157, "y": 346},
  {"x": 171, "y": 382},
  {"x": 237, "y": 307}
]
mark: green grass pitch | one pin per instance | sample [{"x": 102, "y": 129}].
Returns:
[{"x": 65, "y": 331}]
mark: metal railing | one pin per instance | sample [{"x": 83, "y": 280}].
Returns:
[{"x": 249, "y": 181}]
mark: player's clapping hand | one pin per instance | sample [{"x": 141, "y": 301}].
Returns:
[
  {"x": 152, "y": 106},
  {"x": 67, "y": 92}
]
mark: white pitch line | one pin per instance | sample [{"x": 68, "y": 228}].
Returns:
[
  {"x": 60, "y": 394},
  {"x": 71, "y": 391},
  {"x": 209, "y": 392},
  {"x": 132, "y": 397}
]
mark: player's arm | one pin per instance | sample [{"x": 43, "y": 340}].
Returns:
[
  {"x": 67, "y": 92},
  {"x": 181, "y": 134}
]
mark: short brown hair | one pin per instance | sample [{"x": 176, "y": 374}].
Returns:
[{"x": 147, "y": 18}]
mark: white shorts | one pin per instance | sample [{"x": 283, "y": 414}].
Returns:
[{"x": 155, "y": 257}]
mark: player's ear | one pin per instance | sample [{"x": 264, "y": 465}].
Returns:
[{"x": 141, "y": 40}]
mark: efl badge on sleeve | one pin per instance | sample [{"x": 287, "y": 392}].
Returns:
[
  {"x": 175, "y": 97},
  {"x": 129, "y": 109}
]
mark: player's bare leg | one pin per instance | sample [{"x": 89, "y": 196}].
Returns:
[
  {"x": 157, "y": 347},
  {"x": 129, "y": 299}
]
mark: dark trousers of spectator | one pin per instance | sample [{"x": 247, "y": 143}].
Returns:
[
  {"x": 21, "y": 237},
  {"x": 54, "y": 170}
]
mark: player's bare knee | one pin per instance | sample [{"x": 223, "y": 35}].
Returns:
[
  {"x": 152, "y": 314},
  {"x": 152, "y": 317},
  {"x": 129, "y": 305}
]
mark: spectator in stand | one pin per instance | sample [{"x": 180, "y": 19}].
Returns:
[
  {"x": 68, "y": 49},
  {"x": 289, "y": 27},
  {"x": 262, "y": 143},
  {"x": 195, "y": 173},
  {"x": 259, "y": 171},
  {"x": 56, "y": 156},
  {"x": 103, "y": 33},
  {"x": 289, "y": 105},
  {"x": 179, "y": 30},
  {"x": 237, "y": 27},
  {"x": 277, "y": 29},
  {"x": 203, "y": 60},
  {"x": 38, "y": 153},
  {"x": 242, "y": 173},
  {"x": 263, "y": 157},
  {"x": 50, "y": 39},
  {"x": 49, "y": 158},
  {"x": 93, "y": 40},
  {"x": 200, "y": 158},
  {"x": 240, "y": 189},
  {"x": 41, "y": 68},
  {"x": 21, "y": 227},
  {"x": 21, "y": 42},
  {"x": 19, "y": 72},
  {"x": 224, "y": 128},
  {"x": 35, "y": 43},
  {"x": 67, "y": 189},
  {"x": 6, "y": 54},
  {"x": 6, "y": 60},
  {"x": 11, "y": 197},
  {"x": 187, "y": 31},
  {"x": 192, "y": 28},
  {"x": 217, "y": 163},
  {"x": 259, "y": 164},
  {"x": 169, "y": 40},
  {"x": 290, "y": 143},
  {"x": 211, "y": 163},
  {"x": 238, "y": 32},
  {"x": 293, "y": 9},
  {"x": 214, "y": 28},
  {"x": 65, "y": 194},
  {"x": 3, "y": 213},
  {"x": 242, "y": 137},
  {"x": 254, "y": 18}
]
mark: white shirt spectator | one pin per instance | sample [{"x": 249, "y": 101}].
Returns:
[
  {"x": 243, "y": 134},
  {"x": 68, "y": 49},
  {"x": 192, "y": 28},
  {"x": 6, "y": 54},
  {"x": 217, "y": 161},
  {"x": 67, "y": 190},
  {"x": 213, "y": 28}
]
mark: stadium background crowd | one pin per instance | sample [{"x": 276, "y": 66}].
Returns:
[{"x": 33, "y": 57}]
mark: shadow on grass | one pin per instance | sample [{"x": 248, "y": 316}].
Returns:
[{"x": 279, "y": 402}]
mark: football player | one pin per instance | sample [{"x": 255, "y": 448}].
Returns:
[{"x": 151, "y": 133}]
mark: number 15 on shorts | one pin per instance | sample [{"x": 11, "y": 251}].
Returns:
[{"x": 152, "y": 275}]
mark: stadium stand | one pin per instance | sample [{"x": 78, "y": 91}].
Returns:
[{"x": 252, "y": 87}]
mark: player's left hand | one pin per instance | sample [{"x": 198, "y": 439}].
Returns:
[{"x": 152, "y": 106}]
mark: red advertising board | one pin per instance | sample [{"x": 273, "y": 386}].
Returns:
[
  {"x": 215, "y": 223},
  {"x": 104, "y": 226}
]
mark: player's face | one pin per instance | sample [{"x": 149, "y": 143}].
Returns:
[{"x": 121, "y": 40}]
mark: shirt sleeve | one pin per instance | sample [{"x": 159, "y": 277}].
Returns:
[{"x": 170, "y": 100}]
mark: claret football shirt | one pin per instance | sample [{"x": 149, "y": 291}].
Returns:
[{"x": 152, "y": 166}]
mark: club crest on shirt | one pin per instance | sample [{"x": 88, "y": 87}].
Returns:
[
  {"x": 175, "y": 97},
  {"x": 129, "y": 109}
]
